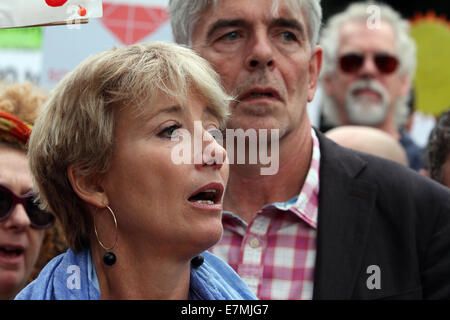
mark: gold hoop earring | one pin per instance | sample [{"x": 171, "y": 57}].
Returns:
[{"x": 109, "y": 258}]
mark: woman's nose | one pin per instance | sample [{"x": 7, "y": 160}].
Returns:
[{"x": 213, "y": 154}]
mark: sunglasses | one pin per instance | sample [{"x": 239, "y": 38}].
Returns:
[
  {"x": 353, "y": 62},
  {"x": 39, "y": 219}
]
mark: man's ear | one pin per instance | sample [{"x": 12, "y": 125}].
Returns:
[
  {"x": 315, "y": 65},
  {"x": 405, "y": 85},
  {"x": 87, "y": 188}
]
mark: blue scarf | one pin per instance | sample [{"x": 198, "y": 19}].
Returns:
[{"x": 72, "y": 276}]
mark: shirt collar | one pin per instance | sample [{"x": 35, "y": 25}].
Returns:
[{"x": 305, "y": 204}]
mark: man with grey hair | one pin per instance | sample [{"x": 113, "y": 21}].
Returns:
[
  {"x": 374, "y": 230},
  {"x": 369, "y": 65}
]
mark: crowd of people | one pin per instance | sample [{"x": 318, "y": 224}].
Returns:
[{"x": 94, "y": 206}]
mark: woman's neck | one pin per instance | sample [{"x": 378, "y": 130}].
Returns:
[{"x": 140, "y": 276}]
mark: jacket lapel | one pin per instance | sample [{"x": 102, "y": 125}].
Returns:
[{"x": 345, "y": 209}]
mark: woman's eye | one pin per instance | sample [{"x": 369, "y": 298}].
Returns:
[
  {"x": 216, "y": 134},
  {"x": 169, "y": 132}
]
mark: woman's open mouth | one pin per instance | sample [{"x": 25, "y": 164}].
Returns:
[
  {"x": 11, "y": 254},
  {"x": 208, "y": 197}
]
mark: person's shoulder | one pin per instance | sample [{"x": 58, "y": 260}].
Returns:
[
  {"x": 65, "y": 277},
  {"x": 225, "y": 276},
  {"x": 38, "y": 288},
  {"x": 390, "y": 178},
  {"x": 218, "y": 265},
  {"x": 389, "y": 173}
]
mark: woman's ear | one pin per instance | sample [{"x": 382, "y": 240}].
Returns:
[{"x": 87, "y": 188}]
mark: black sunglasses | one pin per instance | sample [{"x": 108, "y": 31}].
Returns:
[
  {"x": 353, "y": 62},
  {"x": 39, "y": 219}
]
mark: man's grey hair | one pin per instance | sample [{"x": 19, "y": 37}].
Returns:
[
  {"x": 184, "y": 14},
  {"x": 406, "y": 47}
]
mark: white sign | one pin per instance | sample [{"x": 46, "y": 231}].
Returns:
[
  {"x": 123, "y": 23},
  {"x": 20, "y": 65},
  {"x": 22, "y": 13}
]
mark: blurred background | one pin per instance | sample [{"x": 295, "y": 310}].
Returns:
[
  {"x": 407, "y": 8},
  {"x": 43, "y": 55}
]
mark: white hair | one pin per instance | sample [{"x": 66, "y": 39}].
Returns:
[
  {"x": 185, "y": 14},
  {"x": 406, "y": 47},
  {"x": 406, "y": 50}
]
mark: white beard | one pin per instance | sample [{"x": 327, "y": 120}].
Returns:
[{"x": 364, "y": 111}]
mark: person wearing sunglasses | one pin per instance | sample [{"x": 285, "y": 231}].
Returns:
[
  {"x": 27, "y": 235},
  {"x": 104, "y": 154},
  {"x": 369, "y": 65}
]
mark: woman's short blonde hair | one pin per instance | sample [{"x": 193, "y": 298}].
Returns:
[{"x": 76, "y": 127}]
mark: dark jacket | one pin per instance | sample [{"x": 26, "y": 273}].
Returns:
[{"x": 374, "y": 212}]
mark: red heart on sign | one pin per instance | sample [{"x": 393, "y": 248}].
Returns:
[
  {"x": 55, "y": 3},
  {"x": 133, "y": 23}
]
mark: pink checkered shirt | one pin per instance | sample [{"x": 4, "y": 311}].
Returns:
[{"x": 275, "y": 253}]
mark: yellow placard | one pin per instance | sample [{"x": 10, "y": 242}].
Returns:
[{"x": 432, "y": 81}]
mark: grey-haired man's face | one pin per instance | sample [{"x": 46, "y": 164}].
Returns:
[
  {"x": 366, "y": 96},
  {"x": 264, "y": 60}
]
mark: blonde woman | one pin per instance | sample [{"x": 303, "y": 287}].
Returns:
[{"x": 137, "y": 223}]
